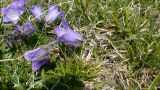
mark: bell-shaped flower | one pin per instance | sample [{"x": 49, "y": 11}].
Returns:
[
  {"x": 38, "y": 57},
  {"x": 53, "y": 14},
  {"x": 15, "y": 10},
  {"x": 66, "y": 34},
  {"x": 26, "y": 29},
  {"x": 37, "y": 11},
  {"x": 11, "y": 15}
]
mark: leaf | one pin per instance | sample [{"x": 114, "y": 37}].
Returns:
[{"x": 155, "y": 82}]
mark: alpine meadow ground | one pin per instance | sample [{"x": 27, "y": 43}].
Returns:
[{"x": 80, "y": 44}]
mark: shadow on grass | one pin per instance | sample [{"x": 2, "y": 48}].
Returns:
[{"x": 68, "y": 82}]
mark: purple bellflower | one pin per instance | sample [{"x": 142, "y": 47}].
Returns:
[
  {"x": 66, "y": 34},
  {"x": 15, "y": 10},
  {"x": 38, "y": 57},
  {"x": 11, "y": 15},
  {"x": 27, "y": 28},
  {"x": 37, "y": 11},
  {"x": 53, "y": 13}
]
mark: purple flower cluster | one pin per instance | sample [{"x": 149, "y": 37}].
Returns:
[
  {"x": 26, "y": 29},
  {"x": 52, "y": 15},
  {"x": 64, "y": 33}
]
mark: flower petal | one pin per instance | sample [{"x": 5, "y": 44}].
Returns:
[
  {"x": 37, "y": 64},
  {"x": 18, "y": 5},
  {"x": 72, "y": 38},
  {"x": 14, "y": 4},
  {"x": 60, "y": 31},
  {"x": 53, "y": 14},
  {"x": 4, "y": 10},
  {"x": 37, "y": 11},
  {"x": 29, "y": 28},
  {"x": 19, "y": 28},
  {"x": 6, "y": 19},
  {"x": 23, "y": 2},
  {"x": 76, "y": 35},
  {"x": 58, "y": 14},
  {"x": 21, "y": 10},
  {"x": 67, "y": 35},
  {"x": 13, "y": 14},
  {"x": 65, "y": 24},
  {"x": 50, "y": 6},
  {"x": 15, "y": 21},
  {"x": 35, "y": 55}
]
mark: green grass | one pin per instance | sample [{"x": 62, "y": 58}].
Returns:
[{"x": 121, "y": 48}]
